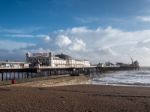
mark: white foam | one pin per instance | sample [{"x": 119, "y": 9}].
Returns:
[{"x": 140, "y": 78}]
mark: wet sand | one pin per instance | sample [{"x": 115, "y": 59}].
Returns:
[
  {"x": 57, "y": 81},
  {"x": 75, "y": 98}
]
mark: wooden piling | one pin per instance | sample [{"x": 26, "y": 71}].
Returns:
[{"x": 2, "y": 76}]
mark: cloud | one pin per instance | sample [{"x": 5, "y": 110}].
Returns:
[
  {"x": 144, "y": 18},
  {"x": 20, "y": 30},
  {"x": 86, "y": 20},
  {"x": 41, "y": 50},
  {"x": 106, "y": 44},
  {"x": 79, "y": 30},
  {"x": 46, "y": 38},
  {"x": 107, "y": 52},
  {"x": 23, "y": 35},
  {"x": 20, "y": 35},
  {"x": 14, "y": 55},
  {"x": 63, "y": 41},
  {"x": 100, "y": 44},
  {"x": 13, "y": 45},
  {"x": 5, "y": 30},
  {"x": 13, "y": 50},
  {"x": 78, "y": 45}
]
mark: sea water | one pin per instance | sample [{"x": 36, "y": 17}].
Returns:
[{"x": 123, "y": 78}]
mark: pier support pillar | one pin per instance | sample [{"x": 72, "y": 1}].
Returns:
[{"x": 2, "y": 76}]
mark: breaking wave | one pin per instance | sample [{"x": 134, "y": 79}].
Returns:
[{"x": 125, "y": 78}]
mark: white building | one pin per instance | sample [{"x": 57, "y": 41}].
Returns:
[
  {"x": 10, "y": 64},
  {"x": 59, "y": 60},
  {"x": 44, "y": 59}
]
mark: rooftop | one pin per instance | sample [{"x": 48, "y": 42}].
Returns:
[{"x": 63, "y": 56}]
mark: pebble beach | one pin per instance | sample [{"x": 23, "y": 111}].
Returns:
[{"x": 42, "y": 96}]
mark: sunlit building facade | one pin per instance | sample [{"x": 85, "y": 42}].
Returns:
[{"x": 59, "y": 60}]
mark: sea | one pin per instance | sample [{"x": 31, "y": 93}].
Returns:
[{"x": 123, "y": 78}]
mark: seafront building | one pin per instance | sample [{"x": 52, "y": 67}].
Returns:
[
  {"x": 119, "y": 64},
  {"x": 45, "y": 60},
  {"x": 13, "y": 64},
  {"x": 51, "y": 60},
  {"x": 107, "y": 64}
]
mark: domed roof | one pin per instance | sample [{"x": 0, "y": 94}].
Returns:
[{"x": 63, "y": 56}]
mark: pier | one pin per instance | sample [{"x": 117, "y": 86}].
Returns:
[
  {"x": 48, "y": 64},
  {"x": 26, "y": 73}
]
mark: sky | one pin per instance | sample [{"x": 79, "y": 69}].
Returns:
[{"x": 97, "y": 30}]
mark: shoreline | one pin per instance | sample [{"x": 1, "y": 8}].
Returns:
[
  {"x": 66, "y": 80},
  {"x": 58, "y": 81}
]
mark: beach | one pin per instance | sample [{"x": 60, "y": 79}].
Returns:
[
  {"x": 75, "y": 98},
  {"x": 73, "y": 94},
  {"x": 55, "y": 81}
]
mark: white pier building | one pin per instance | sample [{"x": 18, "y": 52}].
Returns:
[{"x": 59, "y": 60}]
